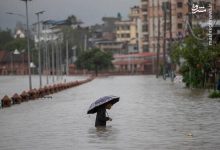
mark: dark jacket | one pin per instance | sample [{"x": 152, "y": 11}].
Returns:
[{"x": 101, "y": 117}]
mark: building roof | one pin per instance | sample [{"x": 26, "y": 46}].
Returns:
[{"x": 54, "y": 22}]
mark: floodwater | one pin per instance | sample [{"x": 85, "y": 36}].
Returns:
[{"x": 152, "y": 114}]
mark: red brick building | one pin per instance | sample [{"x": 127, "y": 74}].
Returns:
[
  {"x": 144, "y": 63},
  {"x": 13, "y": 64}
]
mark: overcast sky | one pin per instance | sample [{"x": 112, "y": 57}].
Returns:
[{"x": 89, "y": 11}]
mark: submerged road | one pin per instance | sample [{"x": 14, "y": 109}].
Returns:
[{"x": 152, "y": 114}]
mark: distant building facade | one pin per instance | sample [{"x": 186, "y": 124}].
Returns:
[
  {"x": 128, "y": 31},
  {"x": 13, "y": 64}
]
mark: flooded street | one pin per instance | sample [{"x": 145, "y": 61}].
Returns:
[{"x": 152, "y": 114}]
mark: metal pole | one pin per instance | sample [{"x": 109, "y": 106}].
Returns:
[
  {"x": 60, "y": 61},
  {"x": 67, "y": 58},
  {"x": 28, "y": 44},
  {"x": 57, "y": 60},
  {"x": 170, "y": 44},
  {"x": 189, "y": 16},
  {"x": 164, "y": 39},
  {"x": 12, "y": 65},
  {"x": 46, "y": 61},
  {"x": 39, "y": 51},
  {"x": 85, "y": 42},
  {"x": 53, "y": 65},
  {"x": 158, "y": 42}
]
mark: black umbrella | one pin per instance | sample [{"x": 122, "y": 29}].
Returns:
[{"x": 102, "y": 101}]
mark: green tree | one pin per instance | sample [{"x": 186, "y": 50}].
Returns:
[
  {"x": 18, "y": 43},
  {"x": 71, "y": 20},
  {"x": 5, "y": 37},
  {"x": 94, "y": 60},
  {"x": 74, "y": 35},
  {"x": 199, "y": 58}
]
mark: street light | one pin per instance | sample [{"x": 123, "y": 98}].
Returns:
[
  {"x": 39, "y": 51},
  {"x": 17, "y": 14},
  {"x": 28, "y": 43}
]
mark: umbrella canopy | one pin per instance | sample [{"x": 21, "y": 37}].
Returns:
[{"x": 102, "y": 101}]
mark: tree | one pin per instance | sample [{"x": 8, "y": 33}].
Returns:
[
  {"x": 5, "y": 37},
  {"x": 18, "y": 43},
  {"x": 71, "y": 20},
  {"x": 74, "y": 35},
  {"x": 199, "y": 58},
  {"x": 94, "y": 60}
]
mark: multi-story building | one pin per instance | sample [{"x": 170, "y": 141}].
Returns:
[
  {"x": 176, "y": 21},
  {"x": 145, "y": 25},
  {"x": 128, "y": 31}
]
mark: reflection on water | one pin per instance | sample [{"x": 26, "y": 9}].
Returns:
[{"x": 152, "y": 114}]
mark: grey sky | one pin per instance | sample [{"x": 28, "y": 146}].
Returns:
[{"x": 89, "y": 11}]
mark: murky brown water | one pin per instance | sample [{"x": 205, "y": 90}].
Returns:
[{"x": 151, "y": 115}]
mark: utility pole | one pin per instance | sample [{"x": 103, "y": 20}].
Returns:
[
  {"x": 39, "y": 49},
  {"x": 154, "y": 47},
  {"x": 28, "y": 44},
  {"x": 164, "y": 7},
  {"x": 189, "y": 15},
  {"x": 46, "y": 61},
  {"x": 85, "y": 42},
  {"x": 170, "y": 42},
  {"x": 53, "y": 62},
  {"x": 67, "y": 58},
  {"x": 57, "y": 59},
  {"x": 158, "y": 40}
]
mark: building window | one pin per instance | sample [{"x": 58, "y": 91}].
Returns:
[
  {"x": 144, "y": 8},
  {"x": 179, "y": 15},
  {"x": 145, "y": 48},
  {"x": 145, "y": 38},
  {"x": 145, "y": 28},
  {"x": 179, "y": 4},
  {"x": 145, "y": 18},
  {"x": 179, "y": 25}
]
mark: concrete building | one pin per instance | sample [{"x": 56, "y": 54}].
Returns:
[
  {"x": 175, "y": 22},
  {"x": 145, "y": 25},
  {"x": 129, "y": 31},
  {"x": 108, "y": 27},
  {"x": 139, "y": 63}
]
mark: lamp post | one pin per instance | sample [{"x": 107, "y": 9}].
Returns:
[
  {"x": 17, "y": 14},
  {"x": 28, "y": 44},
  {"x": 39, "y": 51}
]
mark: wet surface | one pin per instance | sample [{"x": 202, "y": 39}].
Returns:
[{"x": 151, "y": 114}]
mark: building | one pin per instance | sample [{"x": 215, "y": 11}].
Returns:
[
  {"x": 141, "y": 63},
  {"x": 145, "y": 25},
  {"x": 129, "y": 31},
  {"x": 49, "y": 30},
  {"x": 13, "y": 63},
  {"x": 113, "y": 47},
  {"x": 19, "y": 34},
  {"x": 108, "y": 27},
  {"x": 176, "y": 22}
]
